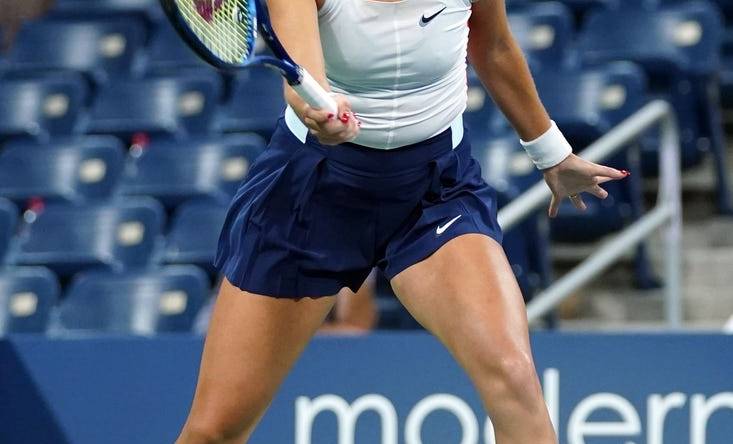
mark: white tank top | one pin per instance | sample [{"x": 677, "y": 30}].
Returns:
[{"x": 401, "y": 64}]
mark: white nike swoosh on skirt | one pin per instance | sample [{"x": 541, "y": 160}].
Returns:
[{"x": 441, "y": 229}]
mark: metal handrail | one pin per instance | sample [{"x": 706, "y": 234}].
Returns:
[{"x": 667, "y": 211}]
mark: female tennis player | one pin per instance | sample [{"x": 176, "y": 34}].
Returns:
[{"x": 389, "y": 181}]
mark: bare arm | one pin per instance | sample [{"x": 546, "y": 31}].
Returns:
[
  {"x": 296, "y": 25},
  {"x": 500, "y": 64}
]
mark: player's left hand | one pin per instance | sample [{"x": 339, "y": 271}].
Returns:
[{"x": 574, "y": 176}]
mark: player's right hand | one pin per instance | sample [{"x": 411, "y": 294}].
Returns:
[{"x": 332, "y": 129}]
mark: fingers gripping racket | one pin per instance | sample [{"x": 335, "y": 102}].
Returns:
[{"x": 223, "y": 33}]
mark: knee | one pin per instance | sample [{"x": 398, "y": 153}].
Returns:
[{"x": 511, "y": 373}]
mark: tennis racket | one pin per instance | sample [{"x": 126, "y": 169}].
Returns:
[{"x": 224, "y": 32}]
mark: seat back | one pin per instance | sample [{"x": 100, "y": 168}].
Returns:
[
  {"x": 169, "y": 53},
  {"x": 166, "y": 105},
  {"x": 26, "y": 298},
  {"x": 504, "y": 164},
  {"x": 73, "y": 170},
  {"x": 101, "y": 48},
  {"x": 587, "y": 103},
  {"x": 164, "y": 300},
  {"x": 70, "y": 238},
  {"x": 194, "y": 234},
  {"x": 174, "y": 172},
  {"x": 682, "y": 38},
  {"x": 544, "y": 31},
  {"x": 482, "y": 117},
  {"x": 106, "y": 8},
  {"x": 8, "y": 221},
  {"x": 39, "y": 107},
  {"x": 255, "y": 104}
]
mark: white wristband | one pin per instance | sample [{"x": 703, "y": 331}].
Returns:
[{"x": 549, "y": 149}]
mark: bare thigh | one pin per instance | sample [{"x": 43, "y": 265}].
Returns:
[
  {"x": 251, "y": 345},
  {"x": 467, "y": 295}
]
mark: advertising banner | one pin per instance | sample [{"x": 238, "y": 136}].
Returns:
[{"x": 379, "y": 389}]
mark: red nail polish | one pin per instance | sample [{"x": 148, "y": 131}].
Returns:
[
  {"x": 625, "y": 173},
  {"x": 345, "y": 117},
  {"x": 330, "y": 116}
]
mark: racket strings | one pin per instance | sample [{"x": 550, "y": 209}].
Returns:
[{"x": 226, "y": 27}]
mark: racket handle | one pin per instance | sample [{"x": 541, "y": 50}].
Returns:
[{"x": 313, "y": 93}]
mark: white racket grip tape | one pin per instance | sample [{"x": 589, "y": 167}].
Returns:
[
  {"x": 549, "y": 149},
  {"x": 313, "y": 93}
]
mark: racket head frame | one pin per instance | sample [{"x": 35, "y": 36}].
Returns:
[{"x": 281, "y": 60}]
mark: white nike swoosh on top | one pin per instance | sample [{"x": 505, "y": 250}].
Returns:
[{"x": 441, "y": 229}]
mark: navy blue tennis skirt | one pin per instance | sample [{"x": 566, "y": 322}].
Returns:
[{"x": 311, "y": 219}]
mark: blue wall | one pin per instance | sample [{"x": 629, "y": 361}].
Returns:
[{"x": 601, "y": 389}]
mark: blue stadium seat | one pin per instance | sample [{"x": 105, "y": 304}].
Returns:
[
  {"x": 587, "y": 103},
  {"x": 482, "y": 117},
  {"x": 27, "y": 295},
  {"x": 146, "y": 302},
  {"x": 544, "y": 31},
  {"x": 8, "y": 221},
  {"x": 504, "y": 163},
  {"x": 174, "y": 172},
  {"x": 169, "y": 53},
  {"x": 74, "y": 9},
  {"x": 101, "y": 49},
  {"x": 171, "y": 106},
  {"x": 40, "y": 107},
  {"x": 194, "y": 234},
  {"x": 73, "y": 170},
  {"x": 679, "y": 47},
  {"x": 255, "y": 104},
  {"x": 584, "y": 6},
  {"x": 69, "y": 238},
  {"x": 681, "y": 38}
]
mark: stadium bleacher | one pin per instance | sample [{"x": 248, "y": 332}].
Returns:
[
  {"x": 116, "y": 235},
  {"x": 172, "y": 106},
  {"x": 77, "y": 169},
  {"x": 175, "y": 172},
  {"x": 139, "y": 302},
  {"x": 27, "y": 297},
  {"x": 194, "y": 233},
  {"x": 110, "y": 124},
  {"x": 100, "y": 49},
  {"x": 41, "y": 107}
]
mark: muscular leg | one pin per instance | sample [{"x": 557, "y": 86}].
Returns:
[
  {"x": 251, "y": 345},
  {"x": 468, "y": 297}
]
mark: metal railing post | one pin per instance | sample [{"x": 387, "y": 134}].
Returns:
[{"x": 670, "y": 195}]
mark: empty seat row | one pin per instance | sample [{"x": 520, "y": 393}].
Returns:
[
  {"x": 75, "y": 9},
  {"x": 175, "y": 105},
  {"x": 93, "y": 168},
  {"x": 143, "y": 302},
  {"x": 116, "y": 236}
]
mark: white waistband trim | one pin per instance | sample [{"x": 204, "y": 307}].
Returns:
[
  {"x": 299, "y": 130},
  {"x": 296, "y": 126}
]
